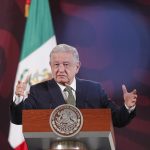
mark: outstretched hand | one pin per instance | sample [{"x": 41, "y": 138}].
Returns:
[
  {"x": 130, "y": 98},
  {"x": 21, "y": 87}
]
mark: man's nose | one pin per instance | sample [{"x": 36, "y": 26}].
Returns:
[{"x": 61, "y": 68}]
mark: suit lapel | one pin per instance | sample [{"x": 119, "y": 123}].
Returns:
[
  {"x": 55, "y": 91},
  {"x": 57, "y": 97},
  {"x": 80, "y": 94}
]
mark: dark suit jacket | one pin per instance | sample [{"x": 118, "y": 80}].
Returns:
[{"x": 89, "y": 94}]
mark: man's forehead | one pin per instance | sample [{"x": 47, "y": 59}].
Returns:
[
  {"x": 62, "y": 55},
  {"x": 62, "y": 52}
]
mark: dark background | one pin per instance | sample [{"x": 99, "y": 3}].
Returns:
[{"x": 113, "y": 39}]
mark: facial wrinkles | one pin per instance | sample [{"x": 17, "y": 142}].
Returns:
[{"x": 63, "y": 73}]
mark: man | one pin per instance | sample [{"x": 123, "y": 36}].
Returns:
[{"x": 65, "y": 64}]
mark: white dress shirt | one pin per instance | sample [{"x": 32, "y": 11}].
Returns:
[{"x": 65, "y": 93}]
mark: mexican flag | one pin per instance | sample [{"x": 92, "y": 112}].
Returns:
[{"x": 39, "y": 39}]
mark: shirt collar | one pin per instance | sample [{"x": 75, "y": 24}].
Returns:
[{"x": 72, "y": 85}]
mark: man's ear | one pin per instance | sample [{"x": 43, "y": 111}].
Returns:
[
  {"x": 50, "y": 63},
  {"x": 78, "y": 66}
]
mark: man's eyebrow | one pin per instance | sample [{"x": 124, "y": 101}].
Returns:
[{"x": 66, "y": 62}]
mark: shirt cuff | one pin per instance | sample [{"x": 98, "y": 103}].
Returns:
[
  {"x": 130, "y": 109},
  {"x": 18, "y": 99}
]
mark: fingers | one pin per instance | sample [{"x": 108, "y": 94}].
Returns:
[
  {"x": 134, "y": 91},
  {"x": 134, "y": 94},
  {"x": 21, "y": 86},
  {"x": 131, "y": 102},
  {"x": 129, "y": 97},
  {"x": 124, "y": 89},
  {"x": 27, "y": 79}
]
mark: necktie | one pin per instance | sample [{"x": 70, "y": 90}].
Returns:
[{"x": 70, "y": 99}]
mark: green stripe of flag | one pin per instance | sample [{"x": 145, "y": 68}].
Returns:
[{"x": 39, "y": 27}]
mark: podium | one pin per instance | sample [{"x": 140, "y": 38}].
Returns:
[{"x": 97, "y": 131}]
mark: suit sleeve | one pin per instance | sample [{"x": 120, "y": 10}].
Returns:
[
  {"x": 16, "y": 110},
  {"x": 16, "y": 113},
  {"x": 120, "y": 115}
]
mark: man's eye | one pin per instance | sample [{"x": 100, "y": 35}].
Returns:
[
  {"x": 56, "y": 65},
  {"x": 66, "y": 64}
]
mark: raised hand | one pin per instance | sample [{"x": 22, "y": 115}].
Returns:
[
  {"x": 21, "y": 87},
  {"x": 130, "y": 98}
]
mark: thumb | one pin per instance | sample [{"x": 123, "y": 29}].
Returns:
[
  {"x": 124, "y": 89},
  {"x": 134, "y": 91},
  {"x": 27, "y": 79}
]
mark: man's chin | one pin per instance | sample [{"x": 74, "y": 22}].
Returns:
[{"x": 63, "y": 82}]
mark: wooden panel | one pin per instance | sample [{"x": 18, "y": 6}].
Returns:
[{"x": 94, "y": 120}]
